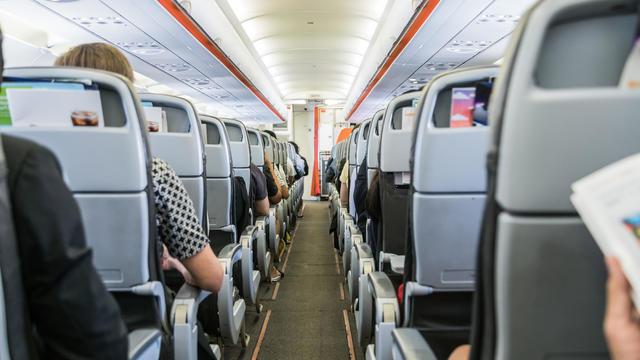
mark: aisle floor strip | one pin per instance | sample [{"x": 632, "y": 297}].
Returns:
[
  {"x": 262, "y": 332},
  {"x": 293, "y": 237},
  {"x": 275, "y": 291},
  {"x": 352, "y": 354},
  {"x": 341, "y": 291},
  {"x": 335, "y": 252}
]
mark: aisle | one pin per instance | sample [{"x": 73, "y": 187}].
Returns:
[{"x": 307, "y": 316}]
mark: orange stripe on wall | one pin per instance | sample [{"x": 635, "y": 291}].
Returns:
[
  {"x": 315, "y": 181},
  {"x": 406, "y": 38},
  {"x": 192, "y": 27}
]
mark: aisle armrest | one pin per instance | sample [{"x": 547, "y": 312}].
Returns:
[
  {"x": 263, "y": 255},
  {"x": 387, "y": 312},
  {"x": 230, "y": 311},
  {"x": 395, "y": 261},
  {"x": 362, "y": 263},
  {"x": 184, "y": 313},
  {"x": 409, "y": 344},
  {"x": 144, "y": 344},
  {"x": 250, "y": 277}
]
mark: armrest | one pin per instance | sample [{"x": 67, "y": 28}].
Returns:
[
  {"x": 386, "y": 302},
  {"x": 247, "y": 236},
  {"x": 184, "y": 313},
  {"x": 408, "y": 344},
  {"x": 381, "y": 285},
  {"x": 144, "y": 344},
  {"x": 229, "y": 255},
  {"x": 387, "y": 312},
  {"x": 396, "y": 262}
]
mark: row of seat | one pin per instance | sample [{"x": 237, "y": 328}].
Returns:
[
  {"x": 477, "y": 225},
  {"x": 108, "y": 169}
]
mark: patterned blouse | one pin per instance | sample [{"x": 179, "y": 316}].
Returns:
[{"x": 178, "y": 225}]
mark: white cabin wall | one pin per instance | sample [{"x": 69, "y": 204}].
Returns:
[{"x": 303, "y": 136}]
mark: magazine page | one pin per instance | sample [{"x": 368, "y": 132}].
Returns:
[{"x": 608, "y": 201}]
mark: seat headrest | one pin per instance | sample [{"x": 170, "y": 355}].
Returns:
[
  {"x": 239, "y": 142},
  {"x": 217, "y": 148},
  {"x": 361, "y": 144},
  {"x": 118, "y": 135},
  {"x": 397, "y": 132},
  {"x": 450, "y": 159},
  {"x": 181, "y": 144},
  {"x": 557, "y": 113},
  {"x": 373, "y": 144}
]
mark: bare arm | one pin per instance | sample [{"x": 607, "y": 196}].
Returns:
[
  {"x": 262, "y": 207},
  {"x": 205, "y": 269},
  {"x": 344, "y": 194}
]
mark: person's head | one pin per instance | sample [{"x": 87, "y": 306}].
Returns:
[
  {"x": 99, "y": 56},
  {"x": 271, "y": 133}
]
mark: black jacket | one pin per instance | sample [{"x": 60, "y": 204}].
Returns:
[{"x": 72, "y": 313}]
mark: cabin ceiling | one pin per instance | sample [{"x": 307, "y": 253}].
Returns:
[
  {"x": 284, "y": 51},
  {"x": 311, "y": 49}
]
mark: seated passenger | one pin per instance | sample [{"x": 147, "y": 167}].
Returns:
[
  {"x": 374, "y": 210},
  {"x": 621, "y": 320},
  {"x": 178, "y": 225},
  {"x": 344, "y": 184},
  {"x": 60, "y": 284},
  {"x": 274, "y": 190},
  {"x": 360, "y": 194},
  {"x": 301, "y": 167},
  {"x": 258, "y": 192}
]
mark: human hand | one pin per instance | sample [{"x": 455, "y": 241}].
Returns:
[{"x": 621, "y": 327}]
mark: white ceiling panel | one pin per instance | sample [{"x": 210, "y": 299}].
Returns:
[{"x": 310, "y": 48}]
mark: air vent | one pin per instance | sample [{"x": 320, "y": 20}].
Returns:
[
  {"x": 99, "y": 20},
  {"x": 198, "y": 82},
  {"x": 439, "y": 66},
  {"x": 141, "y": 48},
  {"x": 467, "y": 47},
  {"x": 497, "y": 18},
  {"x": 174, "y": 67}
]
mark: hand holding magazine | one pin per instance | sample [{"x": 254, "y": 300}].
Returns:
[{"x": 608, "y": 201}]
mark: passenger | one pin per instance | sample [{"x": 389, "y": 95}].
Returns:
[
  {"x": 360, "y": 195},
  {"x": 344, "y": 184},
  {"x": 258, "y": 192},
  {"x": 178, "y": 225},
  {"x": 278, "y": 167},
  {"x": 301, "y": 167},
  {"x": 621, "y": 320},
  {"x": 274, "y": 190},
  {"x": 374, "y": 210},
  {"x": 60, "y": 284}
]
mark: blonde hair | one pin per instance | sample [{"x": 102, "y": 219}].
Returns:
[{"x": 97, "y": 56}]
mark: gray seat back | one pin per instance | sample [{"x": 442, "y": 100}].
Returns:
[
  {"x": 181, "y": 145},
  {"x": 373, "y": 145},
  {"x": 7, "y": 239},
  {"x": 557, "y": 114},
  {"x": 257, "y": 148},
  {"x": 395, "y": 150},
  {"x": 449, "y": 186},
  {"x": 361, "y": 144},
  {"x": 268, "y": 145},
  {"x": 240, "y": 150},
  {"x": 352, "y": 155},
  {"x": 107, "y": 170},
  {"x": 219, "y": 173}
]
